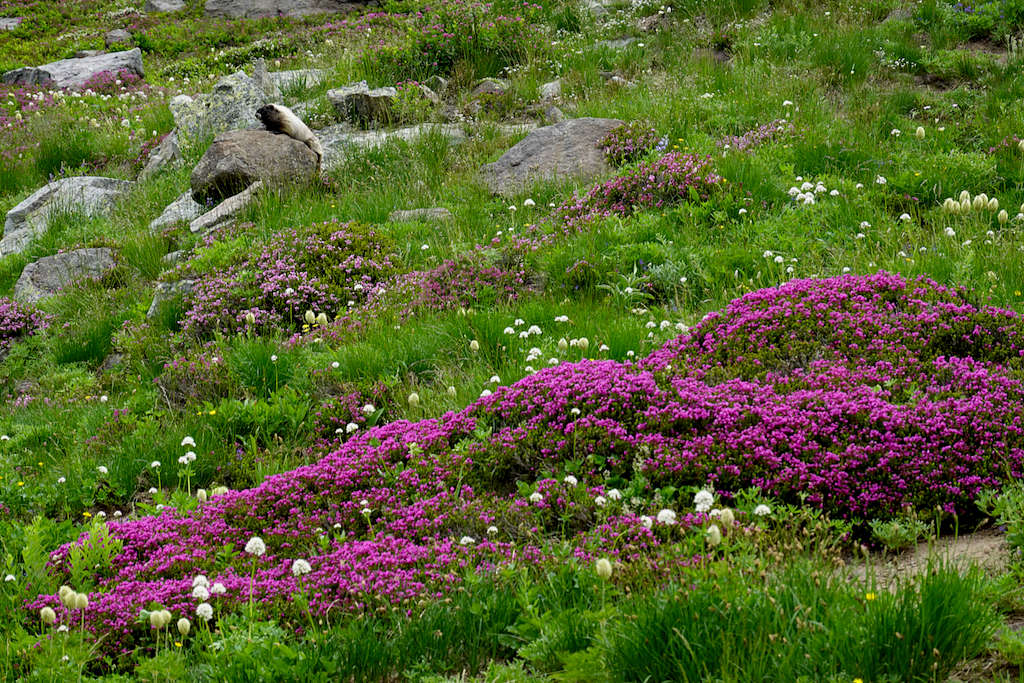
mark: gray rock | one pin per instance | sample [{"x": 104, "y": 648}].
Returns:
[
  {"x": 652, "y": 24},
  {"x": 10, "y": 23},
  {"x": 86, "y": 195},
  {"x": 184, "y": 209},
  {"x": 338, "y": 141},
  {"x": 167, "y": 154},
  {"x": 112, "y": 361},
  {"x": 554, "y": 115},
  {"x": 617, "y": 44},
  {"x": 490, "y": 86},
  {"x": 239, "y": 158},
  {"x": 621, "y": 82},
  {"x": 117, "y": 37},
  {"x": 551, "y": 91},
  {"x": 275, "y": 8},
  {"x": 437, "y": 83},
  {"x": 363, "y": 105},
  {"x": 308, "y": 78},
  {"x": 173, "y": 257},
  {"x": 437, "y": 213},
  {"x": 49, "y": 275},
  {"x": 73, "y": 73},
  {"x": 164, "y": 5},
  {"x": 168, "y": 291},
  {"x": 82, "y": 54},
  {"x": 232, "y": 104},
  {"x": 261, "y": 77},
  {"x": 571, "y": 148},
  {"x": 226, "y": 210}
]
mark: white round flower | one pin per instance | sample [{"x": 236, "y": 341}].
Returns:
[
  {"x": 256, "y": 546},
  {"x": 600, "y": 501},
  {"x": 300, "y": 567},
  {"x": 536, "y": 497},
  {"x": 904, "y": 217},
  {"x": 667, "y": 516},
  {"x": 703, "y": 500},
  {"x": 762, "y": 510},
  {"x": 218, "y": 588},
  {"x": 188, "y": 441},
  {"x": 155, "y": 464},
  {"x": 102, "y": 469},
  {"x": 491, "y": 530},
  {"x": 467, "y": 540},
  {"x": 201, "y": 593},
  {"x": 570, "y": 480},
  {"x": 615, "y": 494},
  {"x": 646, "y": 521},
  {"x": 200, "y": 580},
  {"x": 368, "y": 409},
  {"x": 351, "y": 427},
  {"x": 204, "y": 611}
]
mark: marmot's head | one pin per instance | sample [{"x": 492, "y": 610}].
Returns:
[{"x": 270, "y": 116}]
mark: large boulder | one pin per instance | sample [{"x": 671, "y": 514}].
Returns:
[
  {"x": 239, "y": 158},
  {"x": 74, "y": 73},
  {"x": 231, "y": 104},
  {"x": 277, "y": 8},
  {"x": 84, "y": 195},
  {"x": 364, "y": 105},
  {"x": 569, "y": 149},
  {"x": 49, "y": 275},
  {"x": 10, "y": 23}
]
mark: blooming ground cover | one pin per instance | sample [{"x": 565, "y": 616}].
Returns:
[{"x": 690, "y": 402}]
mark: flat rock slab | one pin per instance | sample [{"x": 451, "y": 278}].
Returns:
[
  {"x": 49, "y": 275},
  {"x": 569, "y": 149},
  {"x": 239, "y": 158},
  {"x": 231, "y": 104},
  {"x": 84, "y": 195},
  {"x": 74, "y": 73},
  {"x": 10, "y": 23},
  {"x": 252, "y": 9},
  {"x": 226, "y": 210},
  {"x": 437, "y": 213},
  {"x": 184, "y": 209},
  {"x": 339, "y": 140}
]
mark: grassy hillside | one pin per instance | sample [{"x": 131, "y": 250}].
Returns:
[{"x": 649, "y": 428}]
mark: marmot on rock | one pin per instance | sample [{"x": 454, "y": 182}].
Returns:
[{"x": 280, "y": 119}]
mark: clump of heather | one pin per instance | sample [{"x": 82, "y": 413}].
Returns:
[
  {"x": 196, "y": 378},
  {"x": 869, "y": 395},
  {"x": 112, "y": 83},
  {"x": 325, "y": 268},
  {"x": 671, "y": 179},
  {"x": 756, "y": 136},
  {"x": 882, "y": 320},
  {"x": 16, "y": 320},
  {"x": 630, "y": 142},
  {"x": 467, "y": 281}
]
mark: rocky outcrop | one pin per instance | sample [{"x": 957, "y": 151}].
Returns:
[
  {"x": 85, "y": 195},
  {"x": 49, "y": 275},
  {"x": 117, "y": 37},
  {"x": 363, "y": 105},
  {"x": 184, "y": 209},
  {"x": 74, "y": 73},
  {"x": 10, "y": 23},
  {"x": 231, "y": 104},
  {"x": 570, "y": 149},
  {"x": 226, "y": 210},
  {"x": 239, "y": 158},
  {"x": 251, "y": 9}
]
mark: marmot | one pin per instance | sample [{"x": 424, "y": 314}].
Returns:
[{"x": 280, "y": 119}]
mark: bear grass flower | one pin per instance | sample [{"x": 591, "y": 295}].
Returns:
[
  {"x": 301, "y": 568},
  {"x": 762, "y": 510},
  {"x": 667, "y": 516},
  {"x": 603, "y": 568},
  {"x": 703, "y": 500},
  {"x": 256, "y": 546},
  {"x": 204, "y": 611}
]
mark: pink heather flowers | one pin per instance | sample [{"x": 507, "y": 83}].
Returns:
[{"x": 861, "y": 395}]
